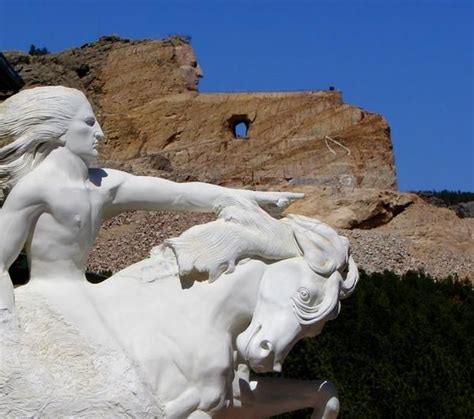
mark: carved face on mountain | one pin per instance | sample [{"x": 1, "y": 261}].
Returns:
[{"x": 189, "y": 66}]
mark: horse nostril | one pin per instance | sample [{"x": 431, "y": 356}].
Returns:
[{"x": 266, "y": 345}]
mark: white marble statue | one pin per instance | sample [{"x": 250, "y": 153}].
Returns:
[
  {"x": 56, "y": 203},
  {"x": 171, "y": 336}
]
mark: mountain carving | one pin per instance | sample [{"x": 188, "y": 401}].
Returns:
[{"x": 145, "y": 94}]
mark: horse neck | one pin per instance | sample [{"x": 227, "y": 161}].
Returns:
[{"x": 236, "y": 297}]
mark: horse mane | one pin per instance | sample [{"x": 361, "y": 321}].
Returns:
[{"x": 243, "y": 230}]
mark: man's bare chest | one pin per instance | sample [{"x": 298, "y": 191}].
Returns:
[{"x": 77, "y": 208}]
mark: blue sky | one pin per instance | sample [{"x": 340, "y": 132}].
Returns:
[{"x": 411, "y": 61}]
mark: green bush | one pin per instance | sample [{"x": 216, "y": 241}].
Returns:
[
  {"x": 38, "y": 51},
  {"x": 448, "y": 197},
  {"x": 402, "y": 347}
]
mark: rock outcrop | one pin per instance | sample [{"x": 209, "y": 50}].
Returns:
[
  {"x": 145, "y": 94},
  {"x": 350, "y": 208},
  {"x": 395, "y": 231},
  {"x": 300, "y": 138}
]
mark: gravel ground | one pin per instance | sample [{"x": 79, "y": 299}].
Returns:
[
  {"x": 129, "y": 237},
  {"x": 376, "y": 251}
]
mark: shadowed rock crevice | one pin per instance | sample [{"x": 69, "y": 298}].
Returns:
[{"x": 382, "y": 214}]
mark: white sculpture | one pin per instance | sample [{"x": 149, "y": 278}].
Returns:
[
  {"x": 168, "y": 335},
  {"x": 58, "y": 203}
]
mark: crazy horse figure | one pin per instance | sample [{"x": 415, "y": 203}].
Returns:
[{"x": 188, "y": 323}]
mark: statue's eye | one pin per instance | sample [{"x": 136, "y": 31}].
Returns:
[
  {"x": 304, "y": 294},
  {"x": 90, "y": 121}
]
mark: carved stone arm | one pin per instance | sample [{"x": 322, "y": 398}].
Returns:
[
  {"x": 17, "y": 217},
  {"x": 150, "y": 193}
]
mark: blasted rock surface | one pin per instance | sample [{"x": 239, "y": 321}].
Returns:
[{"x": 145, "y": 95}]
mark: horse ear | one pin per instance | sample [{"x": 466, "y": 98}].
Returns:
[
  {"x": 331, "y": 297},
  {"x": 350, "y": 281},
  {"x": 317, "y": 258}
]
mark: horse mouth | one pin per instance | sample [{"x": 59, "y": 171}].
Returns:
[{"x": 269, "y": 364}]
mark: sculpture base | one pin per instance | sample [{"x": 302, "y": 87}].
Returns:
[{"x": 50, "y": 369}]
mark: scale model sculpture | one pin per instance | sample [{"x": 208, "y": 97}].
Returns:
[{"x": 175, "y": 334}]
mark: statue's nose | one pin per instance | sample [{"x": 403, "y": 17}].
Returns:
[
  {"x": 199, "y": 72},
  {"x": 99, "y": 135}
]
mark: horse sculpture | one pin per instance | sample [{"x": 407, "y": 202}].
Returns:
[{"x": 186, "y": 325}]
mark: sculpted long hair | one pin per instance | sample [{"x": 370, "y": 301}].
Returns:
[
  {"x": 32, "y": 122},
  {"x": 243, "y": 230}
]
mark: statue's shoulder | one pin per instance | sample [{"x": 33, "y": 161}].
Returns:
[
  {"x": 29, "y": 190},
  {"x": 109, "y": 179}
]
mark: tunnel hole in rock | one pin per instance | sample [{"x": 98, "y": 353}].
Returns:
[
  {"x": 240, "y": 130},
  {"x": 239, "y": 125}
]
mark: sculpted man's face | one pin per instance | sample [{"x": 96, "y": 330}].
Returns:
[{"x": 84, "y": 134}]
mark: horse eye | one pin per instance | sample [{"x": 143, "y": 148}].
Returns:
[{"x": 304, "y": 294}]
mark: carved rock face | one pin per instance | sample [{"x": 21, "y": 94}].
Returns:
[
  {"x": 189, "y": 66},
  {"x": 144, "y": 94}
]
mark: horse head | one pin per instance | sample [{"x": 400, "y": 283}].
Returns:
[
  {"x": 297, "y": 296},
  {"x": 309, "y": 269}
]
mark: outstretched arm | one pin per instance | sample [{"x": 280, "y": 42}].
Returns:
[
  {"x": 141, "y": 192},
  {"x": 18, "y": 215}
]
